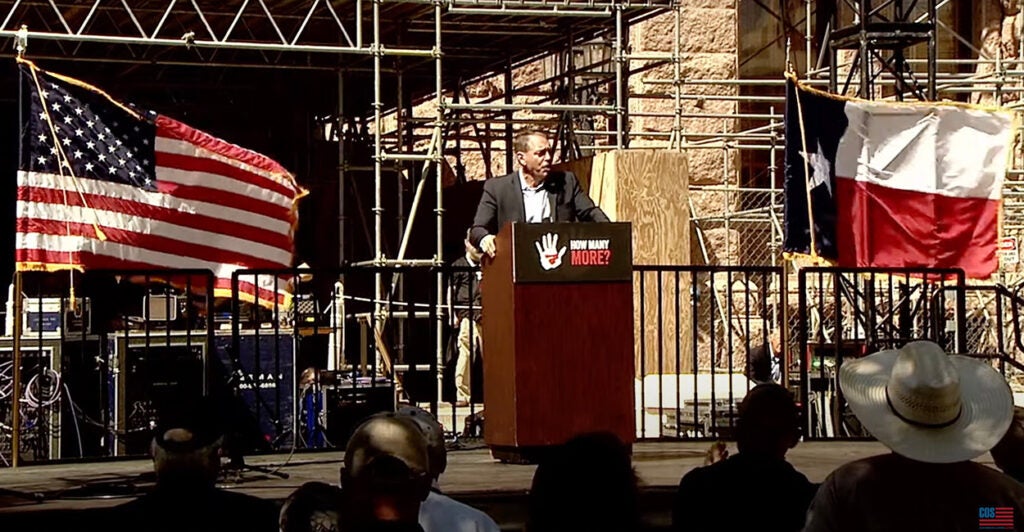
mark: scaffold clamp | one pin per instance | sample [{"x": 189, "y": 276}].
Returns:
[{"x": 21, "y": 41}]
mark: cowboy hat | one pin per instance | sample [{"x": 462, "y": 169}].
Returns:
[{"x": 926, "y": 405}]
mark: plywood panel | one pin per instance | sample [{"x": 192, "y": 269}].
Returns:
[{"x": 650, "y": 189}]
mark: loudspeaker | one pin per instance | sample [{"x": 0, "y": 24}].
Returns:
[
  {"x": 348, "y": 406},
  {"x": 157, "y": 373},
  {"x": 85, "y": 374}
]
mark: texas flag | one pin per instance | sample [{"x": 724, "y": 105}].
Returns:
[{"x": 894, "y": 185}]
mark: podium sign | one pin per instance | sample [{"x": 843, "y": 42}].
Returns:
[{"x": 572, "y": 252}]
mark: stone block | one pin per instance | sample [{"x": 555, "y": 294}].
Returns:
[
  {"x": 707, "y": 166},
  {"x": 710, "y": 30},
  {"x": 723, "y": 246},
  {"x": 708, "y": 65},
  {"x": 654, "y": 35},
  {"x": 696, "y": 4}
]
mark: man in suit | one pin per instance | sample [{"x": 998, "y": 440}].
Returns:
[
  {"x": 765, "y": 360},
  {"x": 533, "y": 194}
]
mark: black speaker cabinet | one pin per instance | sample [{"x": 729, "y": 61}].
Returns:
[
  {"x": 348, "y": 406},
  {"x": 156, "y": 373}
]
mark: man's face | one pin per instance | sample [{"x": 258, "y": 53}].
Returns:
[{"x": 536, "y": 160}]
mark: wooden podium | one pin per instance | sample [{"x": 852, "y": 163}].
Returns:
[{"x": 557, "y": 336}]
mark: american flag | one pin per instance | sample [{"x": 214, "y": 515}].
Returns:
[
  {"x": 104, "y": 185},
  {"x": 995, "y": 518}
]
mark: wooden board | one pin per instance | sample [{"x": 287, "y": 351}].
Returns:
[{"x": 650, "y": 188}]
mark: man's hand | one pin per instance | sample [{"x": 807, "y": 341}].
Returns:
[
  {"x": 488, "y": 246},
  {"x": 550, "y": 255}
]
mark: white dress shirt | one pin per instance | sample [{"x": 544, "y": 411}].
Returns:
[
  {"x": 535, "y": 200},
  {"x": 440, "y": 513}
]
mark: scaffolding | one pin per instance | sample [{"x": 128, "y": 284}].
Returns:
[{"x": 412, "y": 78}]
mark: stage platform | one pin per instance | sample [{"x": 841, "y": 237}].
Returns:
[{"x": 472, "y": 476}]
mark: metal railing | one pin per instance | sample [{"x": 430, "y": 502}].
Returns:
[
  {"x": 848, "y": 313},
  {"x": 300, "y": 372},
  {"x": 695, "y": 328}
]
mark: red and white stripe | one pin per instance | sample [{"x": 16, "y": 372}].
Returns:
[
  {"x": 218, "y": 207},
  {"x": 921, "y": 186}
]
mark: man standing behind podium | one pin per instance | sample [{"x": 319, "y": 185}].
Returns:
[
  {"x": 534, "y": 194},
  {"x": 464, "y": 294}
]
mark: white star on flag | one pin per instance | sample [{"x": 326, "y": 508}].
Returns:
[{"x": 821, "y": 169}]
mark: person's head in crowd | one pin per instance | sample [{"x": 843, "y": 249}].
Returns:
[
  {"x": 769, "y": 422},
  {"x": 386, "y": 474},
  {"x": 717, "y": 452},
  {"x": 926, "y": 405},
  {"x": 186, "y": 446},
  {"x": 314, "y": 507},
  {"x": 434, "y": 435},
  {"x": 586, "y": 484},
  {"x": 1009, "y": 452}
]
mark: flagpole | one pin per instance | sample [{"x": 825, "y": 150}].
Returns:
[
  {"x": 17, "y": 303},
  {"x": 16, "y": 363},
  {"x": 807, "y": 169}
]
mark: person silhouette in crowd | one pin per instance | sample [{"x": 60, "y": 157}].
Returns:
[
  {"x": 586, "y": 484},
  {"x": 756, "y": 488},
  {"x": 186, "y": 459},
  {"x": 440, "y": 513},
  {"x": 386, "y": 476},
  {"x": 936, "y": 413},
  {"x": 1009, "y": 452},
  {"x": 314, "y": 507}
]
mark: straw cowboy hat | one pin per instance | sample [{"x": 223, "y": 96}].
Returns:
[{"x": 927, "y": 405}]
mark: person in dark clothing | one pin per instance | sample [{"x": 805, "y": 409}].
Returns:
[
  {"x": 587, "y": 484},
  {"x": 464, "y": 295},
  {"x": 936, "y": 413},
  {"x": 386, "y": 476},
  {"x": 1009, "y": 452},
  {"x": 186, "y": 458},
  {"x": 755, "y": 489},
  {"x": 765, "y": 360},
  {"x": 314, "y": 507}
]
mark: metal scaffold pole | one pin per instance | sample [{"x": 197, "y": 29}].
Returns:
[
  {"x": 378, "y": 161},
  {"x": 438, "y": 152},
  {"x": 620, "y": 60}
]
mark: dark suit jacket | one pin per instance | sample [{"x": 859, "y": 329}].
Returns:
[{"x": 502, "y": 202}]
